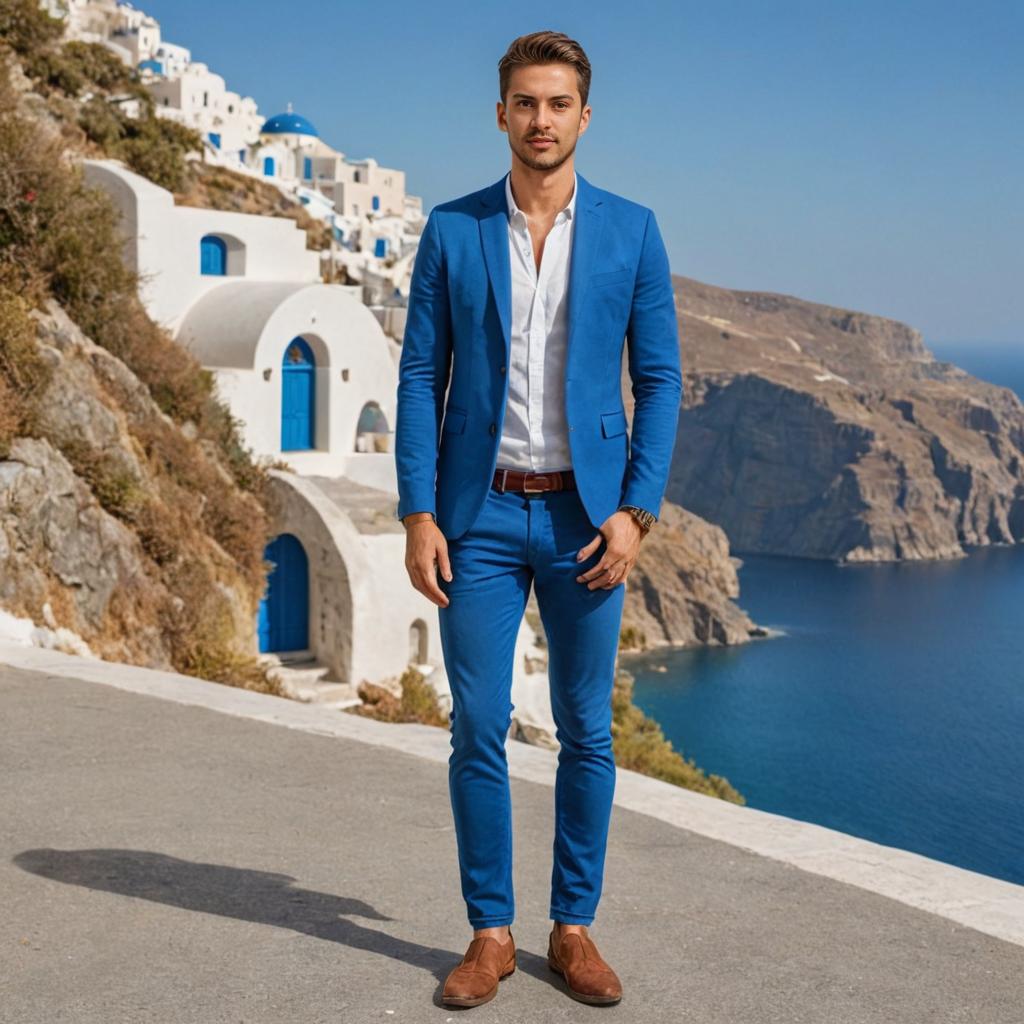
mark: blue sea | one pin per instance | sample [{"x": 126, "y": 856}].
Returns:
[{"x": 893, "y": 706}]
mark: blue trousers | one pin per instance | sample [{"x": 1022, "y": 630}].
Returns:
[{"x": 521, "y": 539}]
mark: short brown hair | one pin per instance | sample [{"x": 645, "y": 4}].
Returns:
[{"x": 545, "y": 47}]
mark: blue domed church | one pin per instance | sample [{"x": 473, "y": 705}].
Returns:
[{"x": 288, "y": 147}]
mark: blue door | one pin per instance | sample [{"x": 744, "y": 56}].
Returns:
[
  {"x": 307, "y": 168},
  {"x": 268, "y": 166},
  {"x": 283, "y": 623},
  {"x": 213, "y": 256},
  {"x": 298, "y": 394}
]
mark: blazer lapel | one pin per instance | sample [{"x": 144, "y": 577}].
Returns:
[
  {"x": 494, "y": 240},
  {"x": 586, "y": 243}
]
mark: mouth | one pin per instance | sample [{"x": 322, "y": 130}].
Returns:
[{"x": 541, "y": 143}]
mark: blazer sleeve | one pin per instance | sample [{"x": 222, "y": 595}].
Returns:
[
  {"x": 652, "y": 338},
  {"x": 423, "y": 371}
]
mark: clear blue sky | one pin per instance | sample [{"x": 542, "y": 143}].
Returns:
[{"x": 869, "y": 155}]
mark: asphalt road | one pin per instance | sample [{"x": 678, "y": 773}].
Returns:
[{"x": 168, "y": 863}]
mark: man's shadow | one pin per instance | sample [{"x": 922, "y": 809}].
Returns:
[{"x": 263, "y": 897}]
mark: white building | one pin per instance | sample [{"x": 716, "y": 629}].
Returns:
[
  {"x": 374, "y": 223},
  {"x": 197, "y": 97},
  {"x": 308, "y": 371}
]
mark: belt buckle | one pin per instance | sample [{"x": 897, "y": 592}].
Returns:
[{"x": 534, "y": 490}]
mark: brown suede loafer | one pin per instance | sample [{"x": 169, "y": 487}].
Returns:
[
  {"x": 475, "y": 979},
  {"x": 587, "y": 977}
]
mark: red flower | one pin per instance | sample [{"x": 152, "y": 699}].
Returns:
[{"x": 30, "y": 195}]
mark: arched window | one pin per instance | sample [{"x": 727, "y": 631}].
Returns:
[
  {"x": 213, "y": 256},
  {"x": 298, "y": 394}
]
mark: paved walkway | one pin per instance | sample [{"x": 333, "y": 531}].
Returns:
[{"x": 166, "y": 862}]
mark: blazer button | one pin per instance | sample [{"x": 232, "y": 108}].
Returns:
[
  {"x": 503, "y": 369},
  {"x": 494, "y": 429}
]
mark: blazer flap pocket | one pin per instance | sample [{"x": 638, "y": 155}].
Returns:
[
  {"x": 613, "y": 423},
  {"x": 454, "y": 422},
  {"x": 612, "y": 276}
]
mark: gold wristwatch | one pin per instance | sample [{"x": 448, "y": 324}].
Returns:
[{"x": 641, "y": 515}]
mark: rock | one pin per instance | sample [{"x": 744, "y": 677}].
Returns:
[
  {"x": 61, "y": 546},
  {"x": 683, "y": 587},
  {"x": 819, "y": 432},
  {"x": 99, "y": 548}
]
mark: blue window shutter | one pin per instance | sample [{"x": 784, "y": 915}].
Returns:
[{"x": 213, "y": 256}]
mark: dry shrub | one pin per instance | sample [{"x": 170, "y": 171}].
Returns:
[
  {"x": 23, "y": 371},
  {"x": 203, "y": 630},
  {"x": 27, "y": 28},
  {"x": 221, "y": 188},
  {"x": 418, "y": 702}
]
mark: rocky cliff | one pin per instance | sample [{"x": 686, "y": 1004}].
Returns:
[
  {"x": 97, "y": 538},
  {"x": 815, "y": 431}
]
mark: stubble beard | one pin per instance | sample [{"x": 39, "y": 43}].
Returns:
[{"x": 543, "y": 161}]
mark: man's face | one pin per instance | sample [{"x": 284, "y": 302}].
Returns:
[{"x": 543, "y": 102}]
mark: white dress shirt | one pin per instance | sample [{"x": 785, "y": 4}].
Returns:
[{"x": 534, "y": 434}]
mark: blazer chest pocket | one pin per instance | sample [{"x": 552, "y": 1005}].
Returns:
[
  {"x": 611, "y": 277},
  {"x": 613, "y": 423},
  {"x": 454, "y": 422}
]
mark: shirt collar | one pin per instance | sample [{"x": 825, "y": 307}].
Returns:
[{"x": 513, "y": 211}]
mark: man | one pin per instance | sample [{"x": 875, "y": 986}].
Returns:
[{"x": 523, "y": 294}]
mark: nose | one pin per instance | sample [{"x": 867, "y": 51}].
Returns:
[{"x": 541, "y": 120}]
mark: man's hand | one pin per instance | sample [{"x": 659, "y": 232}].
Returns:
[
  {"x": 623, "y": 534},
  {"x": 426, "y": 549}
]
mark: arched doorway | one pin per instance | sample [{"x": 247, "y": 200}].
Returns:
[
  {"x": 283, "y": 623},
  {"x": 372, "y": 434},
  {"x": 298, "y": 397}
]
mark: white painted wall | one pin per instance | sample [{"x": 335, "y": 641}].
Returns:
[
  {"x": 163, "y": 242},
  {"x": 366, "y": 607}
]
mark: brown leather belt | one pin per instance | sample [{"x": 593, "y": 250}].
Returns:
[{"x": 533, "y": 482}]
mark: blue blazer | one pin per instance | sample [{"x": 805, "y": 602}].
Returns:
[{"x": 457, "y": 338}]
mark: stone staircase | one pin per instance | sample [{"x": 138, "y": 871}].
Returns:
[{"x": 303, "y": 678}]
